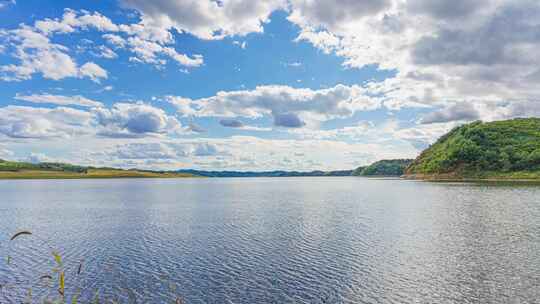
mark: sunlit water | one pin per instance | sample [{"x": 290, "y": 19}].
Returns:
[{"x": 274, "y": 240}]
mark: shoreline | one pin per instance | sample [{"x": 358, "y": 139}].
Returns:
[
  {"x": 93, "y": 174},
  {"x": 456, "y": 179}
]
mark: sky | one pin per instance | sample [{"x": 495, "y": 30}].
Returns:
[{"x": 257, "y": 85}]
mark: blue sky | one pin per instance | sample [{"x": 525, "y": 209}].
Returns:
[{"x": 274, "y": 84}]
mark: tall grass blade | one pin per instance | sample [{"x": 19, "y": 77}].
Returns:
[{"x": 16, "y": 235}]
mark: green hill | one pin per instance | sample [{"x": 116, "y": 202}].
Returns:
[
  {"x": 387, "y": 167},
  {"x": 23, "y": 170},
  {"x": 495, "y": 150}
]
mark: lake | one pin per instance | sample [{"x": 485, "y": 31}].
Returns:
[{"x": 273, "y": 240}]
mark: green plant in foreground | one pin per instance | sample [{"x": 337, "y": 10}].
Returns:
[{"x": 60, "y": 296}]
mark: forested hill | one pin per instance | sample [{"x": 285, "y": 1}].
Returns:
[
  {"x": 386, "y": 167},
  {"x": 507, "y": 149}
]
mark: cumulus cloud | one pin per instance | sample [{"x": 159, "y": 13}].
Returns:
[
  {"x": 37, "y": 54},
  {"x": 76, "y": 100},
  {"x": 71, "y": 21},
  {"x": 456, "y": 112},
  {"x": 443, "y": 9},
  {"x": 288, "y": 120},
  {"x": 122, "y": 120},
  {"x": 135, "y": 120},
  {"x": 332, "y": 14},
  {"x": 164, "y": 150},
  {"x": 289, "y": 107},
  {"x": 105, "y": 52},
  {"x": 443, "y": 51},
  {"x": 30, "y": 122},
  {"x": 93, "y": 71},
  {"x": 195, "y": 128},
  {"x": 264, "y": 154},
  {"x": 205, "y": 149},
  {"x": 207, "y": 19},
  {"x": 458, "y": 61},
  {"x": 150, "y": 52},
  {"x": 146, "y": 151},
  {"x": 483, "y": 110},
  {"x": 231, "y": 123}
]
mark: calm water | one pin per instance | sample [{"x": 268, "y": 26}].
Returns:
[{"x": 280, "y": 240}]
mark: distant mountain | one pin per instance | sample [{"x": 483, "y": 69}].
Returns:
[
  {"x": 386, "y": 167},
  {"x": 507, "y": 149},
  {"x": 264, "y": 173}
]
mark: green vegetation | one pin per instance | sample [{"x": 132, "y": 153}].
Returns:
[
  {"x": 61, "y": 286},
  {"x": 388, "y": 167},
  {"x": 496, "y": 150},
  {"x": 22, "y": 170},
  {"x": 10, "y": 166}
]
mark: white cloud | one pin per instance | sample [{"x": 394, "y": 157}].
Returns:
[
  {"x": 105, "y": 52},
  {"x": 150, "y": 52},
  {"x": 37, "y": 54},
  {"x": 72, "y": 20},
  {"x": 455, "y": 112},
  {"x": 231, "y": 154},
  {"x": 205, "y": 149},
  {"x": 295, "y": 64},
  {"x": 207, "y": 19},
  {"x": 135, "y": 120},
  {"x": 36, "y": 158},
  {"x": 115, "y": 40},
  {"x": 334, "y": 14},
  {"x": 231, "y": 123},
  {"x": 289, "y": 107},
  {"x": 445, "y": 53},
  {"x": 93, "y": 71},
  {"x": 30, "y": 122},
  {"x": 122, "y": 120},
  {"x": 5, "y": 153},
  {"x": 242, "y": 45},
  {"x": 59, "y": 100},
  {"x": 146, "y": 151}
]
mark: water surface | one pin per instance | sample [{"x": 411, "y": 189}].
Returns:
[{"x": 275, "y": 240}]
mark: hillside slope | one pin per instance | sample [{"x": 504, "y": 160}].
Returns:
[
  {"x": 386, "y": 167},
  {"x": 507, "y": 149}
]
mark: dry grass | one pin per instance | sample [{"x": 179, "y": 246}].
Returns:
[
  {"x": 57, "y": 284},
  {"x": 92, "y": 173}
]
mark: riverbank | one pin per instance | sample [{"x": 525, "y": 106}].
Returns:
[
  {"x": 525, "y": 177},
  {"x": 89, "y": 174}
]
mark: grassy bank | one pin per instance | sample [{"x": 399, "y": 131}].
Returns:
[
  {"x": 517, "y": 176},
  {"x": 22, "y": 170},
  {"x": 91, "y": 173}
]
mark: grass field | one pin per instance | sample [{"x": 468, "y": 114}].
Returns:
[{"x": 92, "y": 173}]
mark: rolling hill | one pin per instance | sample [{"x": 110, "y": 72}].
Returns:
[
  {"x": 507, "y": 149},
  {"x": 386, "y": 167}
]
